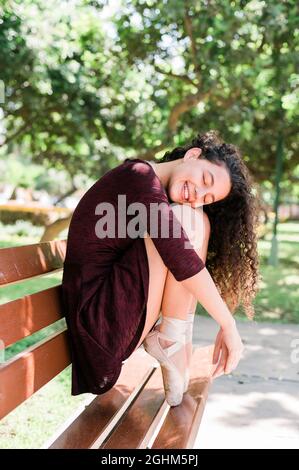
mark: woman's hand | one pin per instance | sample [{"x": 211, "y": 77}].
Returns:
[{"x": 229, "y": 343}]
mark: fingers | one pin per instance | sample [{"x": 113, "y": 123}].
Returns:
[
  {"x": 233, "y": 360},
  {"x": 220, "y": 368},
  {"x": 231, "y": 363},
  {"x": 228, "y": 361},
  {"x": 216, "y": 352}
]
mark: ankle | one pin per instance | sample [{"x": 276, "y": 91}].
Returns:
[{"x": 173, "y": 329}]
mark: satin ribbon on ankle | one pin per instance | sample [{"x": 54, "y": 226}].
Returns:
[{"x": 173, "y": 328}]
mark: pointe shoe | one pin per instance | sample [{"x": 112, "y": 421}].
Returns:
[{"x": 173, "y": 380}]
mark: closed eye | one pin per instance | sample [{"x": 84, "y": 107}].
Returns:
[
  {"x": 211, "y": 180},
  {"x": 211, "y": 184}
]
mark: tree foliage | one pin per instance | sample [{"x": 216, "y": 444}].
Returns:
[{"x": 82, "y": 91}]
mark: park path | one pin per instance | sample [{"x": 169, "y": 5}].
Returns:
[{"x": 257, "y": 406}]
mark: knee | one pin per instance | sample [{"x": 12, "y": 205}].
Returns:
[{"x": 195, "y": 223}]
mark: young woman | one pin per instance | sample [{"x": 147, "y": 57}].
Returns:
[{"x": 116, "y": 283}]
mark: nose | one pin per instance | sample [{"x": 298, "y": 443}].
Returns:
[{"x": 199, "y": 197}]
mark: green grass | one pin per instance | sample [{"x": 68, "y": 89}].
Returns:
[
  {"x": 20, "y": 233},
  {"x": 278, "y": 297},
  {"x": 29, "y": 287},
  {"x": 32, "y": 423}
]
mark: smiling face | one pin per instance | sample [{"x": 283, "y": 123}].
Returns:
[{"x": 196, "y": 181}]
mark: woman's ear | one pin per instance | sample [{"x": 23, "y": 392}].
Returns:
[{"x": 194, "y": 152}]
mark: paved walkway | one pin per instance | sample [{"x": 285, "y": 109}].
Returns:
[{"x": 257, "y": 406}]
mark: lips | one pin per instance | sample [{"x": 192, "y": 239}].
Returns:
[{"x": 185, "y": 185}]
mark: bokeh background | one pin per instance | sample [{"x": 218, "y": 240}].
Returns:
[{"x": 85, "y": 84}]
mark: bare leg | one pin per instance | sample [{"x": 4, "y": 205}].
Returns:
[
  {"x": 178, "y": 302},
  {"x": 169, "y": 295},
  {"x": 157, "y": 277}
]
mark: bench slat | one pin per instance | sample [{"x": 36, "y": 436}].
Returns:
[
  {"x": 136, "y": 430},
  {"x": 23, "y": 317},
  {"x": 99, "y": 418},
  {"x": 24, "y": 262},
  {"x": 28, "y": 371}
]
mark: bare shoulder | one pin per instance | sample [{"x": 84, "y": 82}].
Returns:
[
  {"x": 205, "y": 220},
  {"x": 198, "y": 227}
]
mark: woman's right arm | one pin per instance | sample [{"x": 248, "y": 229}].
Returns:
[{"x": 202, "y": 286}]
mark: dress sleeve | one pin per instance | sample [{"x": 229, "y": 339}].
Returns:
[{"x": 155, "y": 213}]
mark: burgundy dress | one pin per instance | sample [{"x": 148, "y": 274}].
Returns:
[{"x": 105, "y": 280}]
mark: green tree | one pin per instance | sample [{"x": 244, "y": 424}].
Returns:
[{"x": 78, "y": 94}]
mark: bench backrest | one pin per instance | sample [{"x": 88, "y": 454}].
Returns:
[
  {"x": 109, "y": 421},
  {"x": 25, "y": 373}
]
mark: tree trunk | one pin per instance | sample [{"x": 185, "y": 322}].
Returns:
[{"x": 53, "y": 230}]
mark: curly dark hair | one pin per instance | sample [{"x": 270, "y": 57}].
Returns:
[{"x": 232, "y": 257}]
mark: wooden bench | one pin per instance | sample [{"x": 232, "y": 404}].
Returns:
[{"x": 134, "y": 413}]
